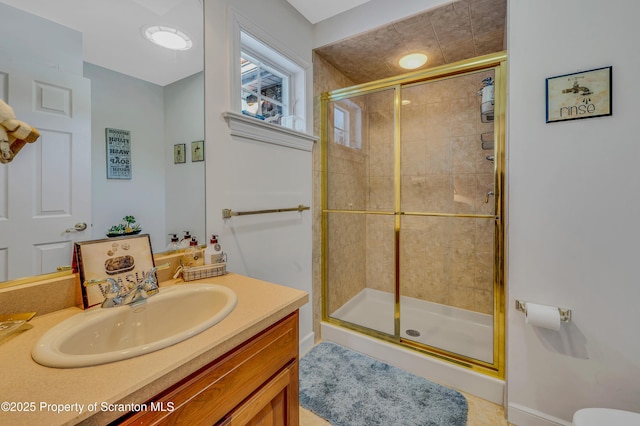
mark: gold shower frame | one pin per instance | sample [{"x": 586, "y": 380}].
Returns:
[{"x": 497, "y": 62}]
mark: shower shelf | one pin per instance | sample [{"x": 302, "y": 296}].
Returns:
[
  {"x": 487, "y": 112},
  {"x": 487, "y": 140}
]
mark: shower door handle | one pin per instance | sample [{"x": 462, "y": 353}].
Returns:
[{"x": 486, "y": 197}]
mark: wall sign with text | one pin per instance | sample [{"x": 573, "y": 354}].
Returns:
[
  {"x": 583, "y": 94},
  {"x": 118, "y": 153}
]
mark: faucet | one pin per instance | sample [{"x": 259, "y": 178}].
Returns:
[{"x": 117, "y": 294}]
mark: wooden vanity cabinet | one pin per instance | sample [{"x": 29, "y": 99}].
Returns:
[{"x": 253, "y": 384}]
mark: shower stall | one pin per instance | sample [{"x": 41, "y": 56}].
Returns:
[{"x": 412, "y": 211}]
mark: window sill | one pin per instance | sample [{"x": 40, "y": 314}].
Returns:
[{"x": 256, "y": 130}]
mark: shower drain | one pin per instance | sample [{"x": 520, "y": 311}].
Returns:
[{"x": 413, "y": 333}]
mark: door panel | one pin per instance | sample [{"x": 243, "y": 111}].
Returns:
[
  {"x": 361, "y": 193},
  {"x": 46, "y": 189},
  {"x": 448, "y": 218}
]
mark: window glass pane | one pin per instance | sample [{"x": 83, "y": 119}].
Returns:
[
  {"x": 265, "y": 92},
  {"x": 271, "y": 112},
  {"x": 271, "y": 85},
  {"x": 250, "y": 102},
  {"x": 338, "y": 118},
  {"x": 249, "y": 75}
]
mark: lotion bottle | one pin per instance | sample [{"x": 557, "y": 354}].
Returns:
[
  {"x": 186, "y": 240},
  {"x": 192, "y": 255},
  {"x": 213, "y": 252},
  {"x": 174, "y": 244}
]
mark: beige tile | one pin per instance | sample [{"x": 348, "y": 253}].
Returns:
[
  {"x": 488, "y": 15},
  {"x": 451, "y": 23},
  {"x": 307, "y": 418},
  {"x": 484, "y": 413}
]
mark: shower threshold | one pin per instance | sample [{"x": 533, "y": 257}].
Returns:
[{"x": 453, "y": 329}]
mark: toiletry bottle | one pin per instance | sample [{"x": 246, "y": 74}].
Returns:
[
  {"x": 174, "y": 244},
  {"x": 186, "y": 240},
  {"x": 192, "y": 255},
  {"x": 213, "y": 253}
]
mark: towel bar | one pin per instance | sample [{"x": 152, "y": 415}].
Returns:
[{"x": 227, "y": 213}]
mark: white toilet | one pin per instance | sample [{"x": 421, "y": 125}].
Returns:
[{"x": 605, "y": 417}]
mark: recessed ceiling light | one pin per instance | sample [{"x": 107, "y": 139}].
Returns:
[
  {"x": 168, "y": 37},
  {"x": 413, "y": 60}
]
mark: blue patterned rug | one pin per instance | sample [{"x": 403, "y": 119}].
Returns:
[{"x": 347, "y": 388}]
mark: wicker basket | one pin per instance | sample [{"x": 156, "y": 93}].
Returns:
[{"x": 204, "y": 271}]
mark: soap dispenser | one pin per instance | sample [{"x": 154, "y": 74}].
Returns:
[
  {"x": 186, "y": 240},
  {"x": 174, "y": 244},
  {"x": 213, "y": 253},
  {"x": 192, "y": 255}
]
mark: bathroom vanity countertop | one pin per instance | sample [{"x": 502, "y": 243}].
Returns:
[{"x": 31, "y": 393}]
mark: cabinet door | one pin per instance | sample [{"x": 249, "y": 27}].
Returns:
[
  {"x": 228, "y": 383},
  {"x": 273, "y": 405}
]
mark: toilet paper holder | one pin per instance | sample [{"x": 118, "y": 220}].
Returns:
[{"x": 565, "y": 314}]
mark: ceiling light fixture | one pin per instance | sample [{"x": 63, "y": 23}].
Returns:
[
  {"x": 168, "y": 37},
  {"x": 413, "y": 60}
]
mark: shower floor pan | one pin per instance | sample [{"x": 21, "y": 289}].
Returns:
[{"x": 455, "y": 330}]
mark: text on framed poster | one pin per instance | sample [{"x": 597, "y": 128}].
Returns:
[
  {"x": 118, "y": 154},
  {"x": 583, "y": 94}
]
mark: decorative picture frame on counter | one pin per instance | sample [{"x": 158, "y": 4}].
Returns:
[
  {"x": 197, "y": 151},
  {"x": 179, "y": 151},
  {"x": 125, "y": 259},
  {"x": 583, "y": 94}
]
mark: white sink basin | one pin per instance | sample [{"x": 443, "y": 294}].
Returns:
[{"x": 102, "y": 335}]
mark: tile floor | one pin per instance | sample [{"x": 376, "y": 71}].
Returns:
[{"x": 481, "y": 413}]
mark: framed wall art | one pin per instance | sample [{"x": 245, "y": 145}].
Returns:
[
  {"x": 583, "y": 94},
  {"x": 197, "y": 151},
  {"x": 125, "y": 259},
  {"x": 179, "y": 153},
  {"x": 118, "y": 153}
]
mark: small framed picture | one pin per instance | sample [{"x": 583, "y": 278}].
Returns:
[
  {"x": 583, "y": 94},
  {"x": 124, "y": 259},
  {"x": 197, "y": 151},
  {"x": 179, "y": 153}
]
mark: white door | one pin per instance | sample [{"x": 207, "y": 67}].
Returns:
[{"x": 46, "y": 190}]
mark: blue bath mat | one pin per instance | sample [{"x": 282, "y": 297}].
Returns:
[{"x": 347, "y": 388}]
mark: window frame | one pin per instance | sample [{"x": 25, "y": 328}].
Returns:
[
  {"x": 352, "y": 126},
  {"x": 346, "y": 118},
  {"x": 245, "y": 35}
]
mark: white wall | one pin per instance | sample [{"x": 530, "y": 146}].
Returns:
[
  {"x": 184, "y": 123},
  {"x": 30, "y": 40},
  {"x": 573, "y": 208},
  {"x": 250, "y": 175},
  {"x": 123, "y": 102}
]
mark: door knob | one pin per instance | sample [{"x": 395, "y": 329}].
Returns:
[{"x": 81, "y": 226}]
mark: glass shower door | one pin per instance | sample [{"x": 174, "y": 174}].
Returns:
[
  {"x": 446, "y": 243},
  {"x": 360, "y": 233}
]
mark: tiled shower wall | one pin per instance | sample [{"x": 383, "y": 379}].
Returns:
[
  {"x": 444, "y": 170},
  {"x": 325, "y": 79}
]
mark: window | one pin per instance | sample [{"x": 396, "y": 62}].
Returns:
[
  {"x": 264, "y": 90},
  {"x": 341, "y": 126},
  {"x": 347, "y": 124},
  {"x": 272, "y": 86}
]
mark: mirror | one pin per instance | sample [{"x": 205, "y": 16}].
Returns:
[{"x": 155, "y": 94}]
